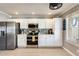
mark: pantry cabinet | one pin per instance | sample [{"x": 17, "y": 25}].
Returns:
[{"x": 33, "y": 21}]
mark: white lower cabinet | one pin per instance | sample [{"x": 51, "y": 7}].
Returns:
[
  {"x": 21, "y": 41},
  {"x": 45, "y": 40},
  {"x": 41, "y": 40},
  {"x": 50, "y": 40}
]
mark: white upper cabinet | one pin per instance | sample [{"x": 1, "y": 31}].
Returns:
[
  {"x": 41, "y": 23},
  {"x": 50, "y": 40},
  {"x": 32, "y": 21},
  {"x": 23, "y": 25},
  {"x": 49, "y": 23}
]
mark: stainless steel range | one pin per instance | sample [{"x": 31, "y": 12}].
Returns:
[{"x": 32, "y": 36}]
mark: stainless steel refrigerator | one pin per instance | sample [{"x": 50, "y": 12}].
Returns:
[{"x": 7, "y": 35}]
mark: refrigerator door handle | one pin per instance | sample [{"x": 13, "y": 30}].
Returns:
[{"x": 2, "y": 33}]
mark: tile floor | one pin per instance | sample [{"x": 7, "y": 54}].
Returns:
[{"x": 35, "y": 52}]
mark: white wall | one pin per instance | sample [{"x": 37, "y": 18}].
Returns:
[{"x": 72, "y": 33}]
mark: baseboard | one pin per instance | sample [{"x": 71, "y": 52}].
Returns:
[{"x": 69, "y": 51}]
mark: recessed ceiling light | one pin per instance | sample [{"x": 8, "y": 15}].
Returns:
[
  {"x": 49, "y": 13},
  {"x": 16, "y": 13},
  {"x": 33, "y": 12}
]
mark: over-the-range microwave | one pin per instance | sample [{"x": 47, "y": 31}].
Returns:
[{"x": 32, "y": 25}]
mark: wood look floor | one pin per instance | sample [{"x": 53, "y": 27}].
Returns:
[{"x": 35, "y": 52}]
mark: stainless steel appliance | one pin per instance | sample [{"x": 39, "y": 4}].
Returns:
[
  {"x": 31, "y": 40},
  {"x": 32, "y": 25},
  {"x": 32, "y": 36},
  {"x": 8, "y": 35},
  {"x": 3, "y": 35}
]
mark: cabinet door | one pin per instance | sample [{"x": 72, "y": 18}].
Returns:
[
  {"x": 34, "y": 21},
  {"x": 23, "y": 25},
  {"x": 41, "y": 24},
  {"x": 50, "y": 40},
  {"x": 41, "y": 41},
  {"x": 49, "y": 23},
  {"x": 22, "y": 41}
]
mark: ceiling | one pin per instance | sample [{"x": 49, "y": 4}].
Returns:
[{"x": 33, "y": 9}]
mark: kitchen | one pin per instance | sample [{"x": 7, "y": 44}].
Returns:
[
  {"x": 45, "y": 32},
  {"x": 32, "y": 27},
  {"x": 38, "y": 34}
]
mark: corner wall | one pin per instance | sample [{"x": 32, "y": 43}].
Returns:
[{"x": 71, "y": 46}]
